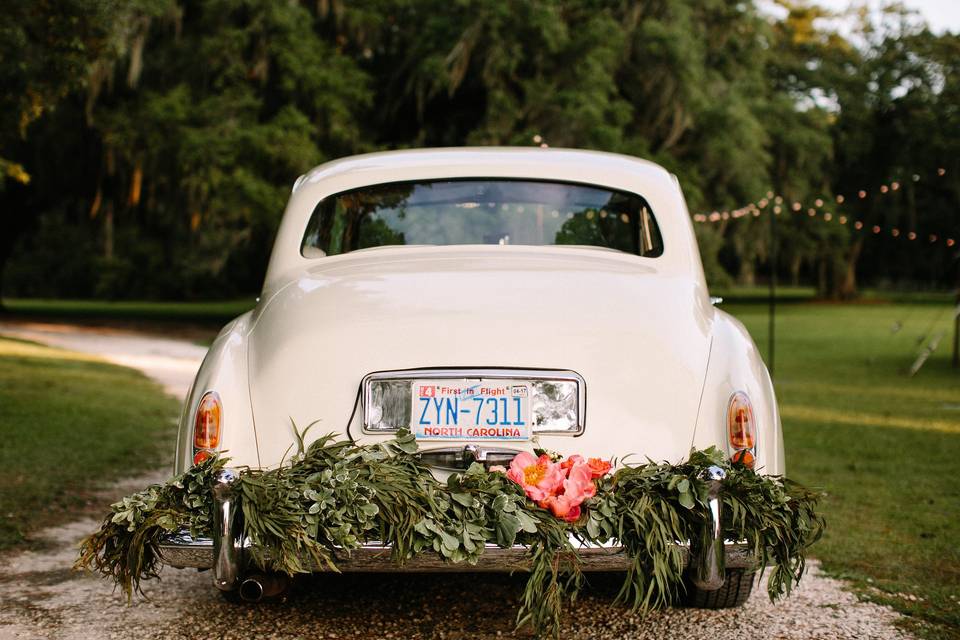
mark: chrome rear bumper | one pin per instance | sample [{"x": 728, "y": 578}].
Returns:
[
  {"x": 226, "y": 553},
  {"x": 183, "y": 551}
]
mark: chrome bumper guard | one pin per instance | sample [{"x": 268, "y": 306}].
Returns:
[{"x": 226, "y": 552}]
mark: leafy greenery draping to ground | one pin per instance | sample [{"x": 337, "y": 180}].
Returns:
[
  {"x": 147, "y": 147},
  {"x": 337, "y": 495}
]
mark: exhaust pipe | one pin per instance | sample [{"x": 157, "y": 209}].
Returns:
[{"x": 259, "y": 586}]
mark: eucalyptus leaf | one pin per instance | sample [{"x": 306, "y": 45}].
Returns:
[{"x": 339, "y": 495}]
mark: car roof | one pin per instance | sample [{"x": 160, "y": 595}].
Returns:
[
  {"x": 484, "y": 162},
  {"x": 655, "y": 184}
]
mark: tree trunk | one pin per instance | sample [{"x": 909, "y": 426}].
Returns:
[
  {"x": 847, "y": 289},
  {"x": 108, "y": 230},
  {"x": 13, "y": 222},
  {"x": 795, "y": 264},
  {"x": 823, "y": 291},
  {"x": 747, "y": 275}
]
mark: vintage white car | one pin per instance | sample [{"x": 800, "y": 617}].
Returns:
[{"x": 487, "y": 299}]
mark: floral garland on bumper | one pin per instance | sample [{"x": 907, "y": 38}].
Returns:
[{"x": 334, "y": 496}]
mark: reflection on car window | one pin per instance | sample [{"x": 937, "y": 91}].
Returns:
[{"x": 482, "y": 212}]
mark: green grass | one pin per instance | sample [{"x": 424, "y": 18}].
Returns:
[
  {"x": 884, "y": 447},
  {"x": 68, "y": 425},
  {"x": 209, "y": 313}
]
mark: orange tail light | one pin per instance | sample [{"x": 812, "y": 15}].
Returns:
[
  {"x": 206, "y": 427},
  {"x": 742, "y": 429}
]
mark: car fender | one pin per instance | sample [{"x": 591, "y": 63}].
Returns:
[
  {"x": 224, "y": 371},
  {"x": 735, "y": 365}
]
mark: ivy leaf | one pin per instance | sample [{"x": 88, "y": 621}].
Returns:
[
  {"x": 507, "y": 527},
  {"x": 448, "y": 541},
  {"x": 465, "y": 499}
]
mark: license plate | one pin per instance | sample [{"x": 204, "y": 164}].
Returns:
[{"x": 471, "y": 410}]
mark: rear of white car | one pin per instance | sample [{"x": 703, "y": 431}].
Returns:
[{"x": 490, "y": 301}]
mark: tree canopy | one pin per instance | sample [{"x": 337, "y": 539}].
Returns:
[{"x": 147, "y": 147}]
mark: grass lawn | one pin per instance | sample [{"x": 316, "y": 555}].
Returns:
[
  {"x": 884, "y": 447},
  {"x": 216, "y": 313},
  {"x": 68, "y": 425}
]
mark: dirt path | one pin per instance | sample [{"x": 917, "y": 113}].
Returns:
[{"x": 41, "y": 597}]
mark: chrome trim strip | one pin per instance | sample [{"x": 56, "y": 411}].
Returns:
[
  {"x": 469, "y": 373},
  {"x": 465, "y": 455}
]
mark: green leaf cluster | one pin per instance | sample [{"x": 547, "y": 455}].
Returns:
[{"x": 333, "y": 497}]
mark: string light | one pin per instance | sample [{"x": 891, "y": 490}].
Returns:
[{"x": 755, "y": 208}]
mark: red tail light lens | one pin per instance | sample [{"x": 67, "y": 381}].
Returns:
[
  {"x": 206, "y": 427},
  {"x": 742, "y": 429}
]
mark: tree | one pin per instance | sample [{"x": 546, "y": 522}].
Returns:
[{"x": 45, "y": 50}]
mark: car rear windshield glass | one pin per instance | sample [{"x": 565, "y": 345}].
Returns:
[{"x": 447, "y": 212}]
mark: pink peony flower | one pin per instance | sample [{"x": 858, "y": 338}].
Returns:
[
  {"x": 497, "y": 469},
  {"x": 539, "y": 477},
  {"x": 579, "y": 484}
]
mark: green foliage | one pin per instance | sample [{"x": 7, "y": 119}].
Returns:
[
  {"x": 179, "y": 127},
  {"x": 335, "y": 496}
]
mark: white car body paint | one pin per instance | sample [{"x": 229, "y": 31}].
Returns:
[{"x": 659, "y": 361}]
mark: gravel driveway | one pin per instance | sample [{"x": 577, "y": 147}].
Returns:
[{"x": 41, "y": 597}]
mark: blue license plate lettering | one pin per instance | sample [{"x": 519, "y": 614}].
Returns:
[{"x": 471, "y": 410}]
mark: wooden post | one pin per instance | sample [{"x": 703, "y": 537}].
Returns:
[
  {"x": 771, "y": 335},
  {"x": 956, "y": 333}
]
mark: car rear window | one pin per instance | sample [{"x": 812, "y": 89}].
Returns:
[{"x": 482, "y": 211}]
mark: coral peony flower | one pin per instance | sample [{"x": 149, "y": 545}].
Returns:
[
  {"x": 562, "y": 507},
  {"x": 569, "y": 462},
  {"x": 598, "y": 467},
  {"x": 539, "y": 477}
]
